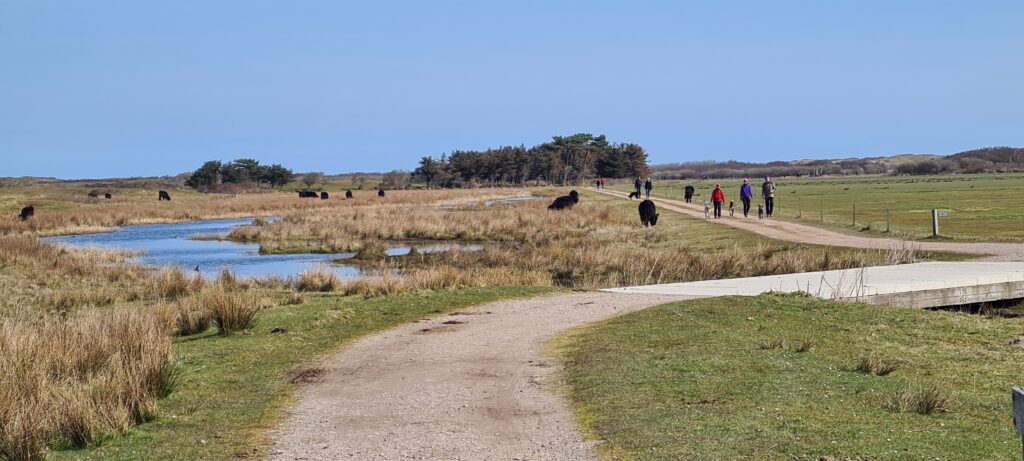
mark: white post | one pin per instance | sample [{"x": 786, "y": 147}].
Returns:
[{"x": 935, "y": 223}]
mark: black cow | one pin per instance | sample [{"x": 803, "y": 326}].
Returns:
[
  {"x": 324, "y": 196},
  {"x": 108, "y": 196},
  {"x": 27, "y": 212},
  {"x": 348, "y": 194},
  {"x": 307, "y": 194},
  {"x": 380, "y": 192},
  {"x": 564, "y": 202},
  {"x": 163, "y": 195},
  {"x": 93, "y": 194},
  {"x": 648, "y": 213},
  {"x": 575, "y": 196},
  {"x": 688, "y": 193}
]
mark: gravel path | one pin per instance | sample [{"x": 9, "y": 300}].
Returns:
[
  {"x": 470, "y": 386},
  {"x": 801, "y": 233}
]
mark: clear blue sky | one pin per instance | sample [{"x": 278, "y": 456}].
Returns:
[{"x": 117, "y": 88}]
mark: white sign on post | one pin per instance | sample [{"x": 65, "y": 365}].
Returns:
[{"x": 943, "y": 213}]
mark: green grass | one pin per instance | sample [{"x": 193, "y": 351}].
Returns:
[
  {"x": 233, "y": 390},
  {"x": 724, "y": 379},
  {"x": 981, "y": 206}
]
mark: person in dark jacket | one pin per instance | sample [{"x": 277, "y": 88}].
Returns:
[
  {"x": 746, "y": 195},
  {"x": 768, "y": 191},
  {"x": 648, "y": 186},
  {"x": 636, "y": 185},
  {"x": 717, "y": 197}
]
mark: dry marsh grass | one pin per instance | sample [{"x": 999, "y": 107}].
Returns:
[
  {"x": 875, "y": 365},
  {"x": 924, "y": 401},
  {"x": 71, "y": 380},
  {"x": 230, "y": 311}
]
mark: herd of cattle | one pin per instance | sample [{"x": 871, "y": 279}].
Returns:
[
  {"x": 648, "y": 211},
  {"x": 30, "y": 211}
]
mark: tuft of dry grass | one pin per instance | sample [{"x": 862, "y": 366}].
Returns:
[
  {"x": 922, "y": 401},
  {"x": 69, "y": 380},
  {"x": 190, "y": 318},
  {"x": 318, "y": 279},
  {"x": 231, "y": 311},
  {"x": 874, "y": 365},
  {"x": 806, "y": 345}
]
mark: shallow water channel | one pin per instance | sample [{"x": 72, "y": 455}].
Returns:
[{"x": 172, "y": 245}]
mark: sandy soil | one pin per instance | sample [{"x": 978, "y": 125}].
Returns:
[
  {"x": 800, "y": 233},
  {"x": 470, "y": 386}
]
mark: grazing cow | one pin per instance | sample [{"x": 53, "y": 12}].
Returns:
[
  {"x": 324, "y": 196},
  {"x": 163, "y": 195},
  {"x": 380, "y": 192},
  {"x": 564, "y": 202},
  {"x": 648, "y": 213},
  {"x": 108, "y": 196},
  {"x": 348, "y": 194},
  {"x": 307, "y": 194},
  {"x": 688, "y": 193},
  {"x": 27, "y": 212},
  {"x": 633, "y": 195},
  {"x": 93, "y": 194}
]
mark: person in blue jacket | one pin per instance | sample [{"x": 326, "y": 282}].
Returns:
[{"x": 746, "y": 195}]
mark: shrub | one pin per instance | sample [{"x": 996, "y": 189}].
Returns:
[{"x": 189, "y": 320}]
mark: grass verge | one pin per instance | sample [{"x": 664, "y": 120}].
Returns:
[
  {"x": 704, "y": 379},
  {"x": 231, "y": 389}
]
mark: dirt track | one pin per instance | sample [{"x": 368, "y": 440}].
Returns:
[
  {"x": 801, "y": 233},
  {"x": 473, "y": 386},
  {"x": 476, "y": 386}
]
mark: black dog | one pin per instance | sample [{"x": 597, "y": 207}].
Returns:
[
  {"x": 348, "y": 194},
  {"x": 163, "y": 195},
  {"x": 633, "y": 195},
  {"x": 27, "y": 212},
  {"x": 688, "y": 193},
  {"x": 648, "y": 213}
]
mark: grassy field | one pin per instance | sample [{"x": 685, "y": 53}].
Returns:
[
  {"x": 788, "y": 377},
  {"x": 231, "y": 390},
  {"x": 981, "y": 207}
]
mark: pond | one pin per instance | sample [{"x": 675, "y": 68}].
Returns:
[{"x": 173, "y": 245}]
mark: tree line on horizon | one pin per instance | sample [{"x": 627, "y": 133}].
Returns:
[
  {"x": 239, "y": 172},
  {"x": 581, "y": 157},
  {"x": 985, "y": 160}
]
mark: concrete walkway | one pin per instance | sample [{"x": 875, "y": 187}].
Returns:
[
  {"x": 929, "y": 284},
  {"x": 801, "y": 233}
]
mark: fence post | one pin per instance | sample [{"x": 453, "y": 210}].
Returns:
[
  {"x": 854, "y": 214},
  {"x": 822, "y": 211},
  {"x": 935, "y": 222},
  {"x": 887, "y": 220}
]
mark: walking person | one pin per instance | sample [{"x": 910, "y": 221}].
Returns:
[
  {"x": 768, "y": 191},
  {"x": 717, "y": 197},
  {"x": 746, "y": 195},
  {"x": 648, "y": 186},
  {"x": 602, "y": 182},
  {"x": 636, "y": 185}
]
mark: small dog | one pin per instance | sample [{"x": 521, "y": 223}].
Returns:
[
  {"x": 707, "y": 210},
  {"x": 760, "y": 211},
  {"x": 633, "y": 195},
  {"x": 732, "y": 208}
]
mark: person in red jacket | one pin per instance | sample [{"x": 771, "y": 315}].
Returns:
[{"x": 717, "y": 197}]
